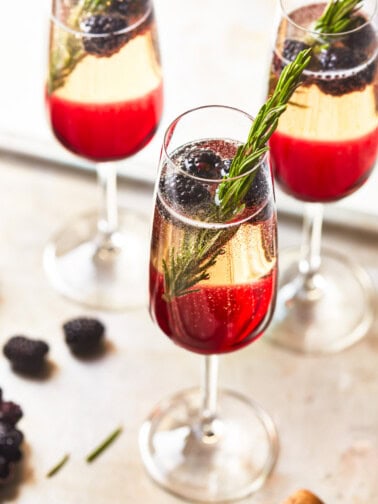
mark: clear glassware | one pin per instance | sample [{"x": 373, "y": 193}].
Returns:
[
  {"x": 212, "y": 291},
  {"x": 104, "y": 101},
  {"x": 324, "y": 149}
]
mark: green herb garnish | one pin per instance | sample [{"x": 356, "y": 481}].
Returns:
[
  {"x": 58, "y": 466},
  {"x": 200, "y": 249},
  {"x": 70, "y": 50},
  {"x": 337, "y": 16},
  {"x": 103, "y": 445}
]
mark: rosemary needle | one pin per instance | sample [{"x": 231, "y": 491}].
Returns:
[
  {"x": 101, "y": 447},
  {"x": 58, "y": 466}
]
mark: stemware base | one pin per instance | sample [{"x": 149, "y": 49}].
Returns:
[
  {"x": 226, "y": 459},
  {"x": 101, "y": 271},
  {"x": 326, "y": 313}
]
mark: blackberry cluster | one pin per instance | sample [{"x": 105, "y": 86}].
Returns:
[
  {"x": 203, "y": 163},
  {"x": 83, "y": 335},
  {"x": 10, "y": 437},
  {"x": 25, "y": 354},
  {"x": 340, "y": 55},
  {"x": 131, "y": 8},
  {"x": 106, "y": 25},
  {"x": 185, "y": 191},
  {"x": 292, "y": 47}
]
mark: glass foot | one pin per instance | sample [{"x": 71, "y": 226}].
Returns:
[
  {"x": 108, "y": 274},
  {"x": 224, "y": 461},
  {"x": 327, "y": 314}
]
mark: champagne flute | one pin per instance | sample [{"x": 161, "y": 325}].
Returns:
[
  {"x": 104, "y": 102},
  {"x": 212, "y": 291},
  {"x": 324, "y": 149}
]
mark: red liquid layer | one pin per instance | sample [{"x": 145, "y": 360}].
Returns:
[
  {"x": 322, "y": 171},
  {"x": 216, "y": 319},
  {"x": 106, "y": 132}
]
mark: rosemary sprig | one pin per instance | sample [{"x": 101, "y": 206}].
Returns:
[
  {"x": 337, "y": 16},
  {"x": 103, "y": 445},
  {"x": 58, "y": 466},
  {"x": 200, "y": 249}
]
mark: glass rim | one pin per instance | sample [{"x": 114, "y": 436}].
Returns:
[
  {"x": 168, "y": 134},
  {"x": 287, "y": 15},
  {"x": 81, "y": 33}
]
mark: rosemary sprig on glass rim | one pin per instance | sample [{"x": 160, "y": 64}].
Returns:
[
  {"x": 337, "y": 16},
  {"x": 200, "y": 249}
]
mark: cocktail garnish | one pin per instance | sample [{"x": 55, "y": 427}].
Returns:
[
  {"x": 93, "y": 17},
  {"x": 337, "y": 16},
  {"x": 200, "y": 249},
  {"x": 57, "y": 467},
  {"x": 105, "y": 444}
]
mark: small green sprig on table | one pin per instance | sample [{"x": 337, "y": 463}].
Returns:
[{"x": 185, "y": 268}]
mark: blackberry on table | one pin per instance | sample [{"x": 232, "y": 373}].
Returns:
[
  {"x": 26, "y": 354},
  {"x": 10, "y": 441},
  {"x": 10, "y": 438},
  {"x": 10, "y": 412},
  {"x": 106, "y": 27},
  {"x": 83, "y": 335},
  {"x": 185, "y": 191},
  {"x": 203, "y": 163}
]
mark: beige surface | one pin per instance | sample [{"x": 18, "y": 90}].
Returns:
[{"x": 325, "y": 408}]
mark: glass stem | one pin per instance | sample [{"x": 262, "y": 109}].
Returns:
[
  {"x": 310, "y": 255},
  {"x": 108, "y": 218},
  {"x": 209, "y": 398}
]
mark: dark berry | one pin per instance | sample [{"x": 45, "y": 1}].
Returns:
[
  {"x": 361, "y": 38},
  {"x": 10, "y": 413},
  {"x": 340, "y": 58},
  {"x": 107, "y": 26},
  {"x": 134, "y": 8},
  {"x": 226, "y": 165},
  {"x": 4, "y": 468},
  {"x": 258, "y": 191},
  {"x": 83, "y": 335},
  {"x": 185, "y": 191},
  {"x": 26, "y": 354},
  {"x": 10, "y": 441},
  {"x": 292, "y": 47},
  {"x": 203, "y": 163}
]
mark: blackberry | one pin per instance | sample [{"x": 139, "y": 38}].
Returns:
[
  {"x": 258, "y": 191},
  {"x": 10, "y": 412},
  {"x": 184, "y": 191},
  {"x": 4, "y": 468},
  {"x": 130, "y": 8},
  {"x": 226, "y": 165},
  {"x": 83, "y": 335},
  {"x": 292, "y": 47},
  {"x": 203, "y": 163},
  {"x": 10, "y": 438},
  {"x": 341, "y": 58},
  {"x": 26, "y": 354},
  {"x": 106, "y": 25},
  {"x": 362, "y": 38},
  {"x": 10, "y": 441}
]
